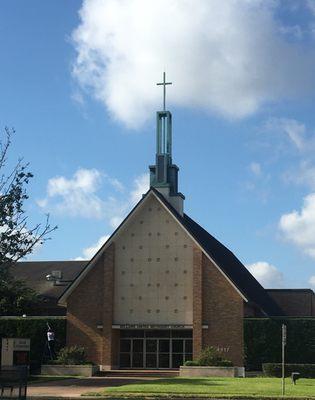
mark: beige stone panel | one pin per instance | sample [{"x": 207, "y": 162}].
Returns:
[{"x": 152, "y": 254}]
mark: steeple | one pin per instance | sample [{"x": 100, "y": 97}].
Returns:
[{"x": 164, "y": 174}]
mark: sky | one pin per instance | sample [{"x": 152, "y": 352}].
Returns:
[{"x": 78, "y": 85}]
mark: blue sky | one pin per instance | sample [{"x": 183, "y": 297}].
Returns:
[{"x": 78, "y": 84}]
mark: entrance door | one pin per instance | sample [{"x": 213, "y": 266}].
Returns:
[
  {"x": 169, "y": 351},
  {"x": 157, "y": 353}
]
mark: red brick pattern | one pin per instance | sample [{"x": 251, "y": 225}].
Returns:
[
  {"x": 197, "y": 302},
  {"x": 223, "y": 310},
  {"x": 90, "y": 305},
  {"x": 108, "y": 310}
]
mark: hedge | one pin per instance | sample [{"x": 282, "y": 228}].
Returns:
[
  {"x": 35, "y": 329},
  {"x": 275, "y": 369},
  {"x": 262, "y": 338}
]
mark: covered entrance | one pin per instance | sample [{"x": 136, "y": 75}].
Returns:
[{"x": 154, "y": 349}]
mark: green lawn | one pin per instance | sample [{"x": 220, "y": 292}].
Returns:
[{"x": 216, "y": 387}]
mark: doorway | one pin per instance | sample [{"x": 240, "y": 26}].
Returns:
[{"x": 155, "y": 349}]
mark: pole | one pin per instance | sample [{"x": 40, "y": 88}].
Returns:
[{"x": 284, "y": 341}]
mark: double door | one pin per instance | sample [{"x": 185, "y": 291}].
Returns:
[{"x": 154, "y": 352}]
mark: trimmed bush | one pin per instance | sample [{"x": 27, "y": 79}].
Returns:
[
  {"x": 262, "y": 338},
  {"x": 209, "y": 357},
  {"x": 73, "y": 355},
  {"x": 275, "y": 370}
]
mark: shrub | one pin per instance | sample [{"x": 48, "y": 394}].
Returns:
[
  {"x": 191, "y": 363},
  {"x": 209, "y": 356},
  {"x": 72, "y": 355},
  {"x": 275, "y": 369}
]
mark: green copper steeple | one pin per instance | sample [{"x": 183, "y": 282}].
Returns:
[{"x": 164, "y": 174}]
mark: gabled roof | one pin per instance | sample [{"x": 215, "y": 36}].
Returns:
[
  {"x": 33, "y": 273},
  {"x": 227, "y": 263}
]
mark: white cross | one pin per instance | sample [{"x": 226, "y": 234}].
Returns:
[{"x": 164, "y": 83}]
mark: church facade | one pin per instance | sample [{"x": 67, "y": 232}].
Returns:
[{"x": 161, "y": 288}]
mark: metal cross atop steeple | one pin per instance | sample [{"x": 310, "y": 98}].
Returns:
[{"x": 164, "y": 83}]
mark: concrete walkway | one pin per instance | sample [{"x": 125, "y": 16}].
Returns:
[{"x": 75, "y": 387}]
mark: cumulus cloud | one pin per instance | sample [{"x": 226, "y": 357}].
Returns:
[
  {"x": 75, "y": 196},
  {"x": 229, "y": 57},
  {"x": 89, "y": 252},
  {"x": 79, "y": 196},
  {"x": 266, "y": 274},
  {"x": 298, "y": 227},
  {"x": 312, "y": 281}
]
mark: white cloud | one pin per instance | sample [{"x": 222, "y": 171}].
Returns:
[
  {"x": 89, "y": 252},
  {"x": 298, "y": 227},
  {"x": 229, "y": 57},
  {"x": 79, "y": 196},
  {"x": 312, "y": 281},
  {"x": 255, "y": 168},
  {"x": 75, "y": 196},
  {"x": 266, "y": 274}
]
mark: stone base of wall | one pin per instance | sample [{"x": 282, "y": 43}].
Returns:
[
  {"x": 234, "y": 372},
  {"x": 75, "y": 370}
]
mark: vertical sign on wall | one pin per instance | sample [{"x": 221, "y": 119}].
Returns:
[{"x": 284, "y": 342}]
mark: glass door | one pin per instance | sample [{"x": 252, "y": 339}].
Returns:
[
  {"x": 137, "y": 353},
  {"x": 151, "y": 352},
  {"x": 164, "y": 353}
]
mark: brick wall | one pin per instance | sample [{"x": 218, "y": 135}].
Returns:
[
  {"x": 108, "y": 310},
  {"x": 90, "y": 305},
  {"x": 197, "y": 302},
  {"x": 222, "y": 311}
]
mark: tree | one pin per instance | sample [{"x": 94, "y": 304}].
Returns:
[{"x": 17, "y": 239}]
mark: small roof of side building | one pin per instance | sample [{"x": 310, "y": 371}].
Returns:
[
  {"x": 33, "y": 274},
  {"x": 227, "y": 263}
]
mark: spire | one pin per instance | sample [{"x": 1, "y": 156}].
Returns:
[{"x": 164, "y": 174}]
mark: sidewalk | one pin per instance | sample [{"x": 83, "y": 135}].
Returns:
[{"x": 75, "y": 387}]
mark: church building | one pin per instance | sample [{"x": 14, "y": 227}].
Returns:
[{"x": 161, "y": 288}]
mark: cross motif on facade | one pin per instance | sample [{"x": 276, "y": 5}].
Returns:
[{"x": 164, "y": 83}]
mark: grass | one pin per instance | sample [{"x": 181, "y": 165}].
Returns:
[{"x": 214, "y": 387}]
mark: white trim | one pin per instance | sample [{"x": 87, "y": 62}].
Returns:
[{"x": 63, "y": 299}]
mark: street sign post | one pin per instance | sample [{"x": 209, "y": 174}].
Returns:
[{"x": 284, "y": 342}]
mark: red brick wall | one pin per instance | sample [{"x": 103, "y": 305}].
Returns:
[
  {"x": 222, "y": 311},
  {"x": 197, "y": 302},
  {"x": 89, "y": 305},
  {"x": 108, "y": 296}
]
